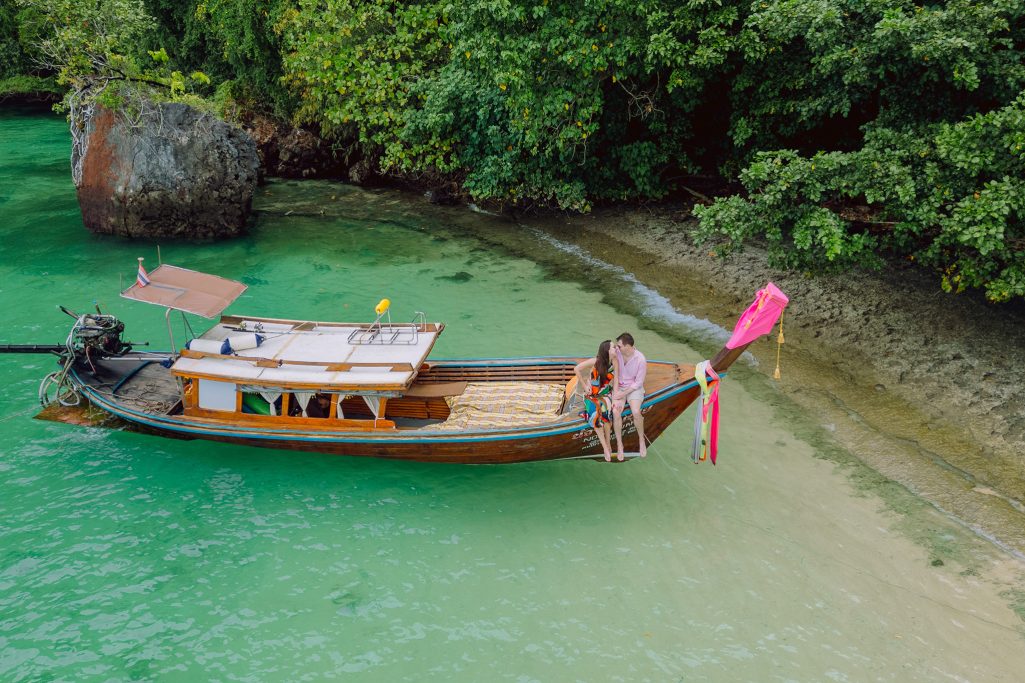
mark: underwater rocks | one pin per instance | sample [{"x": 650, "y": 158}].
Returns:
[{"x": 169, "y": 170}]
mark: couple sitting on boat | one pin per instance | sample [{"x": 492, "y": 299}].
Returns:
[{"x": 610, "y": 381}]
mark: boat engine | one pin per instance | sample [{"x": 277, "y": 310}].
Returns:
[
  {"x": 96, "y": 336},
  {"x": 93, "y": 336}
]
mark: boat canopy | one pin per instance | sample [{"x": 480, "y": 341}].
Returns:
[
  {"x": 186, "y": 290},
  {"x": 318, "y": 356}
]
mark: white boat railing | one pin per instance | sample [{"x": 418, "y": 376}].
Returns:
[{"x": 383, "y": 331}]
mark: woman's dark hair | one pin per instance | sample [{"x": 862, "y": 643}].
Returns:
[{"x": 601, "y": 361}]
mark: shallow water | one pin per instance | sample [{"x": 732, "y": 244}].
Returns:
[{"x": 130, "y": 557}]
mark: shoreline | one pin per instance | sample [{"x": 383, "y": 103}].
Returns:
[{"x": 919, "y": 385}]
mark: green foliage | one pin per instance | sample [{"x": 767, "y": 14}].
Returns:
[
  {"x": 569, "y": 101},
  {"x": 29, "y": 85},
  {"x": 12, "y": 60},
  {"x": 980, "y": 177},
  {"x": 818, "y": 69},
  {"x": 951, "y": 197},
  {"x": 85, "y": 41},
  {"x": 228, "y": 40},
  {"x": 357, "y": 67},
  {"x": 94, "y": 50},
  {"x": 525, "y": 101},
  {"x": 921, "y": 110},
  {"x": 19, "y": 55}
]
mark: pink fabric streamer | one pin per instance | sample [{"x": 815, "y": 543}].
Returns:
[
  {"x": 713, "y": 408},
  {"x": 760, "y": 316}
]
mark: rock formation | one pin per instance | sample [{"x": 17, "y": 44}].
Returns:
[
  {"x": 290, "y": 152},
  {"x": 170, "y": 171}
]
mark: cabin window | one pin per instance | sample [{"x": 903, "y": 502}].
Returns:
[
  {"x": 262, "y": 402},
  {"x": 354, "y": 407},
  {"x": 309, "y": 404},
  {"x": 216, "y": 395}
]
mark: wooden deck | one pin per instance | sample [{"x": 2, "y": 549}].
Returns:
[{"x": 138, "y": 383}]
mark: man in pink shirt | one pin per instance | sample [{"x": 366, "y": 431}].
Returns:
[{"x": 633, "y": 367}]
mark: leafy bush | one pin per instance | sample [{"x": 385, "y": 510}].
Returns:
[
  {"x": 12, "y": 61},
  {"x": 94, "y": 50},
  {"x": 812, "y": 71},
  {"x": 550, "y": 102},
  {"x": 951, "y": 197},
  {"x": 357, "y": 67},
  {"x": 231, "y": 41},
  {"x": 29, "y": 85}
]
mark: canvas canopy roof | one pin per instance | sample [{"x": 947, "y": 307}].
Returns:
[
  {"x": 318, "y": 356},
  {"x": 186, "y": 290}
]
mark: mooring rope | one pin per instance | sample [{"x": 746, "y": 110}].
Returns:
[{"x": 64, "y": 388}]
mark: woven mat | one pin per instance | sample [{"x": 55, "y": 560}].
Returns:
[{"x": 498, "y": 405}]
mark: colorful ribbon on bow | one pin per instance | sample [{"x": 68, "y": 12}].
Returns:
[{"x": 706, "y": 421}]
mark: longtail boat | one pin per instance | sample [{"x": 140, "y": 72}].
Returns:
[{"x": 363, "y": 389}]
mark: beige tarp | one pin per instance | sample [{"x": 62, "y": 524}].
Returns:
[{"x": 186, "y": 290}]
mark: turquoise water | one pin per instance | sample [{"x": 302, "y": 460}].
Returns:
[{"x": 130, "y": 557}]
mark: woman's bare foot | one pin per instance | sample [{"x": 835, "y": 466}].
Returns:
[
  {"x": 620, "y": 456},
  {"x": 608, "y": 455},
  {"x": 643, "y": 451}
]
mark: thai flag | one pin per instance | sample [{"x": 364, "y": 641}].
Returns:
[{"x": 142, "y": 279}]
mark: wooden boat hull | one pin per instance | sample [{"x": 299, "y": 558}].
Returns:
[{"x": 568, "y": 438}]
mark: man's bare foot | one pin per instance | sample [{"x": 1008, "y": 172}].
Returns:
[
  {"x": 620, "y": 456},
  {"x": 644, "y": 451}
]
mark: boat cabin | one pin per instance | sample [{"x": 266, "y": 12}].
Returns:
[{"x": 262, "y": 369}]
